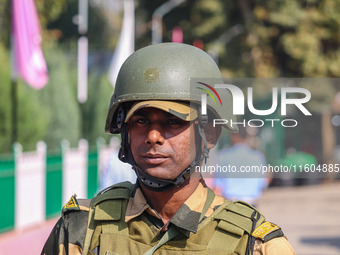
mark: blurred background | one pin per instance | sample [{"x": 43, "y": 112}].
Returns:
[{"x": 52, "y": 140}]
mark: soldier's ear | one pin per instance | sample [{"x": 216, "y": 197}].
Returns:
[{"x": 212, "y": 134}]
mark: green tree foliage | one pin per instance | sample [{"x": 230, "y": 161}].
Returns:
[
  {"x": 298, "y": 39},
  {"x": 5, "y": 21},
  {"x": 199, "y": 19},
  {"x": 32, "y": 121},
  {"x": 295, "y": 38},
  {"x": 95, "y": 109},
  {"x": 263, "y": 39},
  {"x": 274, "y": 38},
  {"x": 66, "y": 31},
  {"x": 5, "y": 102},
  {"x": 48, "y": 11},
  {"x": 59, "y": 98}
]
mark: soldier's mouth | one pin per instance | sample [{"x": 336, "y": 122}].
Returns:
[{"x": 154, "y": 159}]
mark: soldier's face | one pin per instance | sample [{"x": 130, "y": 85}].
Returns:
[{"x": 160, "y": 142}]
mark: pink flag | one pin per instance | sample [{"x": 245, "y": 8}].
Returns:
[
  {"x": 177, "y": 35},
  {"x": 29, "y": 62}
]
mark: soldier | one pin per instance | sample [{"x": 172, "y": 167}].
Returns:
[{"x": 169, "y": 210}]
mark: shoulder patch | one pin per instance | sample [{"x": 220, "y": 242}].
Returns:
[
  {"x": 267, "y": 231},
  {"x": 72, "y": 204}
]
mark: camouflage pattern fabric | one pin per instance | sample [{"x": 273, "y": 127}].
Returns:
[{"x": 68, "y": 235}]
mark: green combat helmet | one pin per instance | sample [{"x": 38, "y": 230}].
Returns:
[{"x": 163, "y": 72}]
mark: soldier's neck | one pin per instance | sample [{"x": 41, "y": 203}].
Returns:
[{"x": 168, "y": 202}]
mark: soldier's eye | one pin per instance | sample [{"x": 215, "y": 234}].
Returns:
[
  {"x": 141, "y": 120},
  {"x": 175, "y": 122}
]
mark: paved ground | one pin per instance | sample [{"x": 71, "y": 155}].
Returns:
[
  {"x": 309, "y": 215},
  {"x": 26, "y": 242}
]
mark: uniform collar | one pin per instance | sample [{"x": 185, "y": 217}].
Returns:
[{"x": 186, "y": 217}]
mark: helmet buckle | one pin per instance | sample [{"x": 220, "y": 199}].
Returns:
[{"x": 120, "y": 117}]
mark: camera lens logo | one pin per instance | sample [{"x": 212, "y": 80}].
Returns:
[
  {"x": 209, "y": 93},
  {"x": 207, "y": 89}
]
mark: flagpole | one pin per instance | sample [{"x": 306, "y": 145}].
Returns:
[
  {"x": 82, "y": 93},
  {"x": 14, "y": 101},
  {"x": 157, "y": 18},
  {"x": 14, "y": 89}
]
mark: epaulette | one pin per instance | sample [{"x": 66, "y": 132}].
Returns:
[
  {"x": 239, "y": 216},
  {"x": 108, "y": 204},
  {"x": 267, "y": 231},
  {"x": 75, "y": 204},
  {"x": 120, "y": 190}
]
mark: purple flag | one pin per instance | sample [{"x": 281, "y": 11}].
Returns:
[{"x": 28, "y": 59}]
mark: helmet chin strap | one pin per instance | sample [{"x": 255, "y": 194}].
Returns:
[{"x": 159, "y": 184}]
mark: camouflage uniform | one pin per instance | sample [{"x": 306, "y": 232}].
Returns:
[{"x": 69, "y": 233}]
